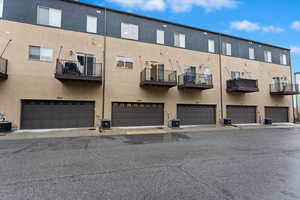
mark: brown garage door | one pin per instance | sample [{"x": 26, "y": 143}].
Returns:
[
  {"x": 242, "y": 114},
  {"x": 277, "y": 114},
  {"x": 196, "y": 114},
  {"x": 137, "y": 114},
  {"x": 41, "y": 114}
]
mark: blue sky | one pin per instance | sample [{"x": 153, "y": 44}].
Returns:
[{"x": 269, "y": 21}]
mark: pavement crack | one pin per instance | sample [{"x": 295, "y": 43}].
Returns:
[{"x": 83, "y": 174}]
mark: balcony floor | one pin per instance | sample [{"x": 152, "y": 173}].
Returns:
[
  {"x": 158, "y": 84},
  {"x": 69, "y": 77},
  {"x": 243, "y": 89},
  {"x": 285, "y": 93},
  {"x": 195, "y": 86}
]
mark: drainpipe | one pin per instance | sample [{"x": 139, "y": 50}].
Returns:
[
  {"x": 104, "y": 63},
  {"x": 293, "y": 96},
  {"x": 221, "y": 81}
]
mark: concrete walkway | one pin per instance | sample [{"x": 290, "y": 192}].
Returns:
[{"x": 84, "y": 132}]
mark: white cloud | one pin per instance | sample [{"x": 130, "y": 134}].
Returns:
[
  {"x": 175, "y": 5},
  {"x": 148, "y": 5},
  {"x": 295, "y": 49},
  {"x": 296, "y": 25},
  {"x": 274, "y": 29},
  {"x": 245, "y": 25},
  {"x": 248, "y": 26}
]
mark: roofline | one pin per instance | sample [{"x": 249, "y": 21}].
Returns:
[{"x": 173, "y": 23}]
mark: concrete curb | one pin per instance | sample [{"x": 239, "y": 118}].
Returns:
[{"x": 71, "y": 133}]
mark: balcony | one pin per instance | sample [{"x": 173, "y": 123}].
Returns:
[
  {"x": 195, "y": 81},
  {"x": 151, "y": 77},
  {"x": 67, "y": 70},
  {"x": 3, "y": 69},
  {"x": 284, "y": 89},
  {"x": 242, "y": 85}
]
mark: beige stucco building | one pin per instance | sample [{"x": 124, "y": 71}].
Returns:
[{"x": 71, "y": 71}]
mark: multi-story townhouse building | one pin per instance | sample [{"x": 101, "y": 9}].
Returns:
[{"x": 65, "y": 62}]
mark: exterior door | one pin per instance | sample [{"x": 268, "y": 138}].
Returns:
[
  {"x": 277, "y": 114},
  {"x": 242, "y": 114},
  {"x": 49, "y": 114},
  {"x": 196, "y": 114},
  {"x": 137, "y": 114},
  {"x": 86, "y": 64}
]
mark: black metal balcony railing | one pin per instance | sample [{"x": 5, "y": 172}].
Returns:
[
  {"x": 3, "y": 69},
  {"x": 284, "y": 89},
  {"x": 195, "y": 81},
  {"x": 161, "y": 78},
  {"x": 67, "y": 70},
  {"x": 242, "y": 85}
]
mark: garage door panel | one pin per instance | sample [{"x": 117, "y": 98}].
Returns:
[
  {"x": 196, "y": 114},
  {"x": 137, "y": 114},
  {"x": 42, "y": 114},
  {"x": 241, "y": 114},
  {"x": 277, "y": 114}
]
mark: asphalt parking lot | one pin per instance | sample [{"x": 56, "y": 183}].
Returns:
[{"x": 255, "y": 164}]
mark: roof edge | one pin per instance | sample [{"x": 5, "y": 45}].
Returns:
[{"x": 174, "y": 23}]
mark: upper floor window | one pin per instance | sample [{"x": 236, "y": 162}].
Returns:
[
  {"x": 91, "y": 24},
  {"x": 160, "y": 37},
  {"x": 227, "y": 49},
  {"x": 283, "y": 59},
  {"x": 40, "y": 53},
  {"x": 125, "y": 63},
  {"x": 49, "y": 16},
  {"x": 179, "y": 40},
  {"x": 130, "y": 31},
  {"x": 211, "y": 46},
  {"x": 268, "y": 56},
  {"x": 251, "y": 53},
  {"x": 1, "y": 8}
]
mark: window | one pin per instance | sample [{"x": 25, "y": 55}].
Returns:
[
  {"x": 160, "y": 37},
  {"x": 283, "y": 59},
  {"x": 179, "y": 40},
  {"x": 227, "y": 49},
  {"x": 1, "y": 8},
  {"x": 125, "y": 63},
  {"x": 49, "y": 16},
  {"x": 248, "y": 75},
  {"x": 211, "y": 46},
  {"x": 130, "y": 31},
  {"x": 40, "y": 53},
  {"x": 235, "y": 75},
  {"x": 91, "y": 24},
  {"x": 268, "y": 56},
  {"x": 251, "y": 53}
]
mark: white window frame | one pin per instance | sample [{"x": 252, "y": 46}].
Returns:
[
  {"x": 248, "y": 75},
  {"x": 234, "y": 75},
  {"x": 1, "y": 8},
  {"x": 227, "y": 48},
  {"x": 283, "y": 59},
  {"x": 129, "y": 31},
  {"x": 52, "y": 14},
  {"x": 160, "y": 36},
  {"x": 179, "y": 40},
  {"x": 91, "y": 24},
  {"x": 251, "y": 53},
  {"x": 211, "y": 46},
  {"x": 42, "y": 53},
  {"x": 268, "y": 56}
]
